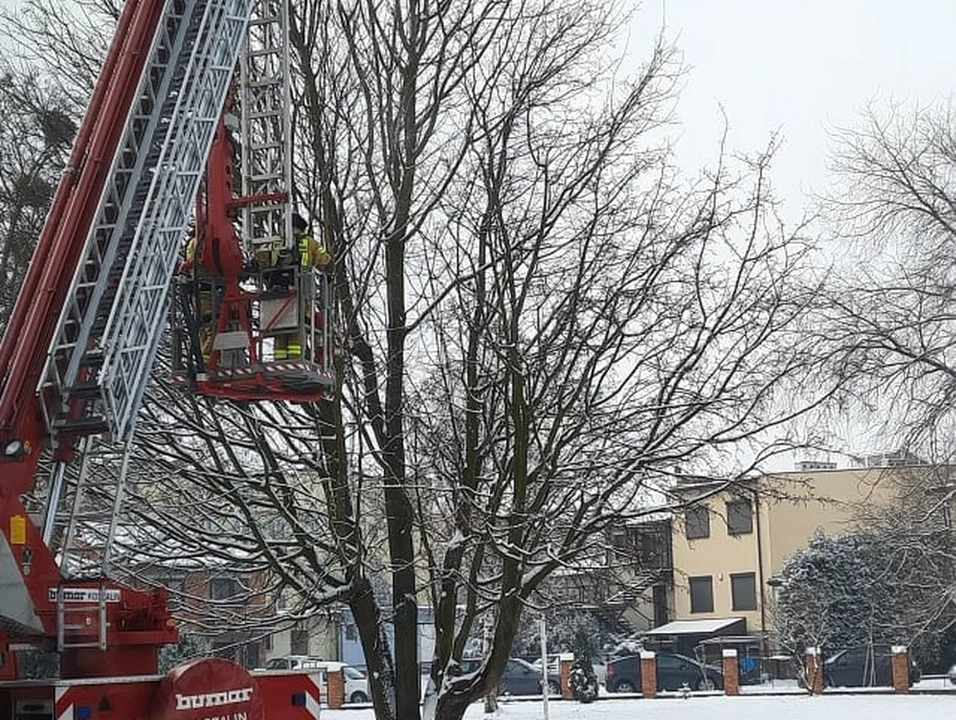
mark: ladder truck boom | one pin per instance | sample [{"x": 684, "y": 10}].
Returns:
[
  {"x": 55, "y": 381},
  {"x": 153, "y": 154}
]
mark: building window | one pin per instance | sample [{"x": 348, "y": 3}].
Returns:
[
  {"x": 743, "y": 590},
  {"x": 252, "y": 655},
  {"x": 299, "y": 641},
  {"x": 740, "y": 520},
  {"x": 660, "y": 605},
  {"x": 697, "y": 522},
  {"x": 223, "y": 588},
  {"x": 702, "y": 594}
]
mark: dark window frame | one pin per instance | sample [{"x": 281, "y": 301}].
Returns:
[
  {"x": 223, "y": 588},
  {"x": 736, "y": 515},
  {"x": 298, "y": 641},
  {"x": 695, "y": 607},
  {"x": 736, "y": 603},
  {"x": 697, "y": 522}
]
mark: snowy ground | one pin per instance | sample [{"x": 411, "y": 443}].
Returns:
[{"x": 794, "y": 707}]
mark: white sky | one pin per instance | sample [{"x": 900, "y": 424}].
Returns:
[{"x": 800, "y": 67}]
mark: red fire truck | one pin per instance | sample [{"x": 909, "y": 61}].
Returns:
[{"x": 186, "y": 148}]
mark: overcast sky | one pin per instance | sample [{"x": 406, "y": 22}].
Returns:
[
  {"x": 802, "y": 67},
  {"x": 798, "y": 66}
]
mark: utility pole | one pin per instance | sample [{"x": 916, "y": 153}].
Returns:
[{"x": 542, "y": 624}]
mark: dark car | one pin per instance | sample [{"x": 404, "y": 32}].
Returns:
[
  {"x": 673, "y": 673},
  {"x": 519, "y": 678},
  {"x": 864, "y": 667}
]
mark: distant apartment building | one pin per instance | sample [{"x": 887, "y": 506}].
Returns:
[{"x": 731, "y": 543}]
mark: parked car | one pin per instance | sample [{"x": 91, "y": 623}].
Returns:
[
  {"x": 952, "y": 674},
  {"x": 864, "y": 667},
  {"x": 293, "y": 662},
  {"x": 519, "y": 678},
  {"x": 356, "y": 683},
  {"x": 673, "y": 673}
]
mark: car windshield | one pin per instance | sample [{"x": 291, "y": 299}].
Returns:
[
  {"x": 277, "y": 664},
  {"x": 352, "y": 674}
]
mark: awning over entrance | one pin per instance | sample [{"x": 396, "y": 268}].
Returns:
[
  {"x": 699, "y": 627},
  {"x": 683, "y": 636}
]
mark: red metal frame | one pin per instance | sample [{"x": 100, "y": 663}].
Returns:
[
  {"x": 220, "y": 255},
  {"x": 283, "y": 696},
  {"x": 25, "y": 343},
  {"x": 140, "y": 622}
]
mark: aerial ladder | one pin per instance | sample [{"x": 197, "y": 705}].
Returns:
[{"x": 166, "y": 127}]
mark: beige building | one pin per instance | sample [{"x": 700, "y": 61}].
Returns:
[{"x": 731, "y": 543}]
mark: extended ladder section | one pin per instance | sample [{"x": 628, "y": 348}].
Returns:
[
  {"x": 81, "y": 526},
  {"x": 102, "y": 272},
  {"x": 84, "y": 531},
  {"x": 265, "y": 334},
  {"x": 110, "y": 328},
  {"x": 266, "y": 103}
]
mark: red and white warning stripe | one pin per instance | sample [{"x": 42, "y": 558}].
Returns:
[
  {"x": 64, "y": 704},
  {"x": 312, "y": 694}
]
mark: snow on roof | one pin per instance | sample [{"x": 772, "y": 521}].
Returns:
[{"x": 694, "y": 627}]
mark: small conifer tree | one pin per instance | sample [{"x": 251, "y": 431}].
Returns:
[{"x": 584, "y": 682}]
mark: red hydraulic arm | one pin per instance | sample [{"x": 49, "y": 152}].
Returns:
[{"x": 138, "y": 622}]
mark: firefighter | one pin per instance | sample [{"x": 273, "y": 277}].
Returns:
[
  {"x": 309, "y": 254},
  {"x": 199, "y": 286}
]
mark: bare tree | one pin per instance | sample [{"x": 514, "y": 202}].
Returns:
[
  {"x": 538, "y": 319},
  {"x": 34, "y": 139},
  {"x": 890, "y": 319},
  {"x": 603, "y": 336},
  {"x": 65, "y": 44}
]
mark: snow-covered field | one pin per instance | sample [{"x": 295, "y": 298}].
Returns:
[{"x": 801, "y": 707}]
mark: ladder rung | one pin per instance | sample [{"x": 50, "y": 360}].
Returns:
[
  {"x": 264, "y": 20},
  {"x": 265, "y": 52},
  {"x": 84, "y": 390},
  {"x": 82, "y": 425}
]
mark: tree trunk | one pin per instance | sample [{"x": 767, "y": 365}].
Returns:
[{"x": 378, "y": 659}]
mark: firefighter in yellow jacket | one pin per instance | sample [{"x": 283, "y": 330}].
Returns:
[
  {"x": 308, "y": 254},
  {"x": 201, "y": 287}
]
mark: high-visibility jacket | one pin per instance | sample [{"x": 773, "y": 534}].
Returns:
[
  {"x": 311, "y": 253},
  {"x": 190, "y": 261}
]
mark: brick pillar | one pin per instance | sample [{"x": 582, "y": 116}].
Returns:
[
  {"x": 814, "y": 671},
  {"x": 648, "y": 674},
  {"x": 731, "y": 672},
  {"x": 901, "y": 669},
  {"x": 336, "y": 684},
  {"x": 565, "y": 666}
]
